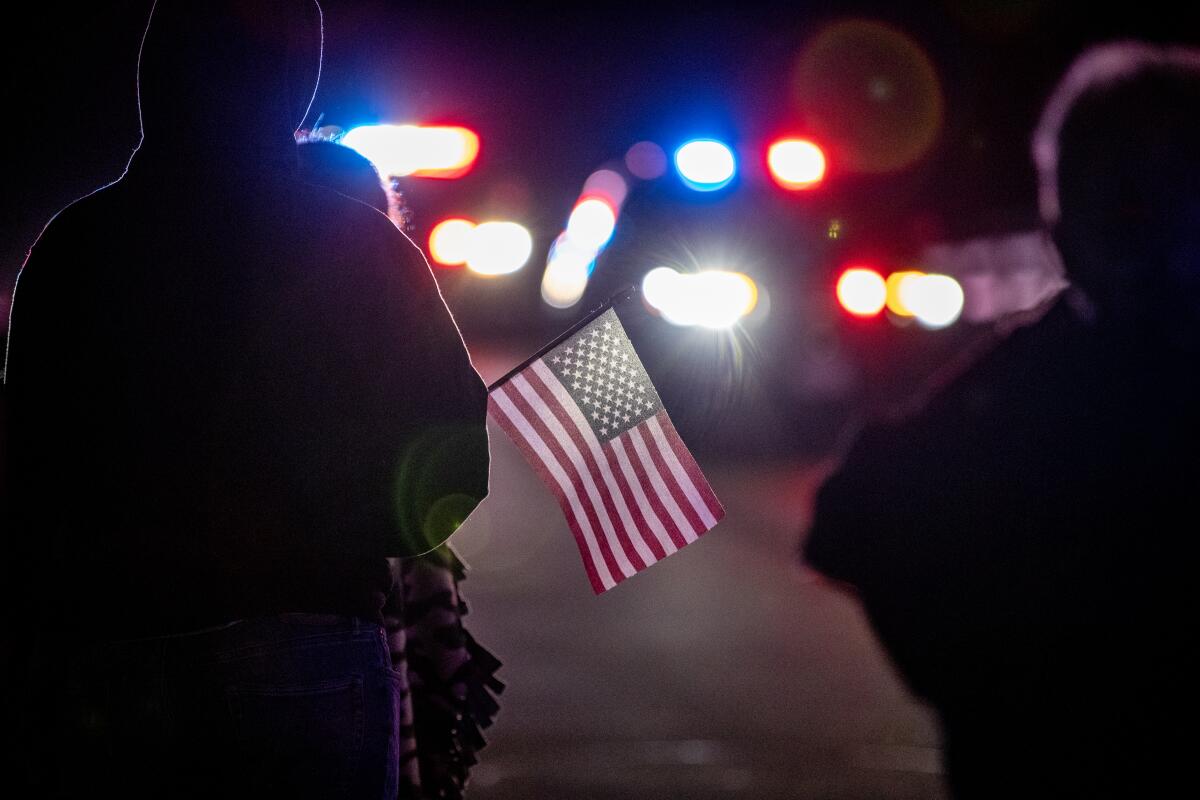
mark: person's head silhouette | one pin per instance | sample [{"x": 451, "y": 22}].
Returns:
[
  {"x": 1118, "y": 157},
  {"x": 234, "y": 77}
]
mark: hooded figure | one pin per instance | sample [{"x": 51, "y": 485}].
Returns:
[{"x": 231, "y": 394}]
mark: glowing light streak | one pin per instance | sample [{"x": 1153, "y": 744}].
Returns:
[
  {"x": 566, "y": 276},
  {"x": 591, "y": 224},
  {"x": 710, "y": 299},
  {"x": 419, "y": 151}
]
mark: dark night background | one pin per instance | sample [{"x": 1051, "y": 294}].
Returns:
[{"x": 558, "y": 91}]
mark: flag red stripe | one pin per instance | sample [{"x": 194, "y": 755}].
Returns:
[
  {"x": 535, "y": 461},
  {"x": 677, "y": 493},
  {"x": 679, "y": 473},
  {"x": 691, "y": 468},
  {"x": 593, "y": 514},
  {"x": 640, "y": 502},
  {"x": 640, "y": 470},
  {"x": 624, "y": 533},
  {"x": 635, "y": 510},
  {"x": 659, "y": 482}
]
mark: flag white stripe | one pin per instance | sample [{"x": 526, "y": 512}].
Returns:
[
  {"x": 681, "y": 476},
  {"x": 648, "y": 512},
  {"x": 614, "y": 490},
  {"x": 535, "y": 441},
  {"x": 660, "y": 488},
  {"x": 643, "y": 501},
  {"x": 581, "y": 469}
]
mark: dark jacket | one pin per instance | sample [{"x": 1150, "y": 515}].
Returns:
[
  {"x": 1023, "y": 547},
  {"x": 230, "y": 392}
]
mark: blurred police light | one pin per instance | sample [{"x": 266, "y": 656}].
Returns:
[
  {"x": 705, "y": 164},
  {"x": 710, "y": 299},
  {"x": 935, "y": 300},
  {"x": 498, "y": 248},
  {"x": 796, "y": 163},
  {"x": 566, "y": 276},
  {"x": 659, "y": 287},
  {"x": 862, "y": 292},
  {"x": 416, "y": 150},
  {"x": 899, "y": 284},
  {"x": 591, "y": 224},
  {"x": 450, "y": 241}
]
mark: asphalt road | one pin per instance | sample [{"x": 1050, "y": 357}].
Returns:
[{"x": 722, "y": 672}]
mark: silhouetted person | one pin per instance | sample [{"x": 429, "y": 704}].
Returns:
[
  {"x": 450, "y": 684},
  {"x": 231, "y": 396},
  {"x": 1024, "y": 545}
]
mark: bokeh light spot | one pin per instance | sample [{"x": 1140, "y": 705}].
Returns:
[
  {"x": 450, "y": 241},
  {"x": 796, "y": 163},
  {"x": 862, "y": 292},
  {"x": 566, "y": 276},
  {"x": 646, "y": 160},
  {"x": 710, "y": 299},
  {"x": 705, "y": 164},
  {"x": 591, "y": 223},
  {"x": 608, "y": 186},
  {"x": 898, "y": 285},
  {"x": 498, "y": 248},
  {"x": 935, "y": 300}
]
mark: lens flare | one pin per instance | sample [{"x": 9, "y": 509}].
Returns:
[
  {"x": 450, "y": 241},
  {"x": 709, "y": 299},
  {"x": 419, "y": 151},
  {"x": 498, "y": 248},
  {"x": 705, "y": 164},
  {"x": 862, "y": 292},
  {"x": 796, "y": 163},
  {"x": 871, "y": 91}
]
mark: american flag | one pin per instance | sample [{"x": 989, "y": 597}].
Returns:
[{"x": 588, "y": 420}]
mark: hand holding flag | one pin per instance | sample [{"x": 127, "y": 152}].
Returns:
[{"x": 587, "y": 418}]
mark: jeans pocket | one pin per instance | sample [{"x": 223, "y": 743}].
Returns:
[{"x": 298, "y": 740}]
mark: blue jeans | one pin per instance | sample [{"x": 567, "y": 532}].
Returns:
[{"x": 295, "y": 706}]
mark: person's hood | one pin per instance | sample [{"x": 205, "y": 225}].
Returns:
[{"x": 227, "y": 80}]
